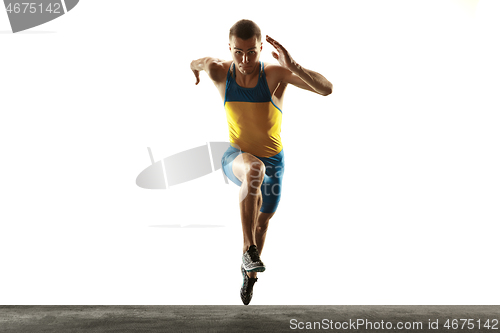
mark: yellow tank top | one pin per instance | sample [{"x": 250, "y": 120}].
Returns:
[{"x": 253, "y": 119}]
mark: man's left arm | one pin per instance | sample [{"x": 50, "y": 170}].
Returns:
[{"x": 298, "y": 75}]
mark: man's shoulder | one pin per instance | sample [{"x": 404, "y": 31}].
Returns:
[
  {"x": 271, "y": 67},
  {"x": 218, "y": 68},
  {"x": 275, "y": 70}
]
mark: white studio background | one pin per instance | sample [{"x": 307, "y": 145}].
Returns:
[{"x": 391, "y": 183}]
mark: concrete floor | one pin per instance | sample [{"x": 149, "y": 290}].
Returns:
[{"x": 187, "y": 318}]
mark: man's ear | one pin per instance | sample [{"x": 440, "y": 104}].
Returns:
[{"x": 229, "y": 46}]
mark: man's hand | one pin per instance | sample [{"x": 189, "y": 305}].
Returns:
[
  {"x": 213, "y": 66},
  {"x": 197, "y": 75},
  {"x": 196, "y": 67},
  {"x": 284, "y": 58}
]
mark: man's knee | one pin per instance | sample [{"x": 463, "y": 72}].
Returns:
[
  {"x": 247, "y": 167},
  {"x": 255, "y": 171},
  {"x": 263, "y": 221},
  {"x": 262, "y": 227}
]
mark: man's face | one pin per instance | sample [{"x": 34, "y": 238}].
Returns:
[{"x": 246, "y": 54}]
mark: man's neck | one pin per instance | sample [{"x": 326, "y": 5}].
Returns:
[{"x": 249, "y": 80}]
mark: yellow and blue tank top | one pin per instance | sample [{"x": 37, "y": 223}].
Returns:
[{"x": 253, "y": 119}]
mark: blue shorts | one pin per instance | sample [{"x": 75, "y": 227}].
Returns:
[{"x": 271, "y": 186}]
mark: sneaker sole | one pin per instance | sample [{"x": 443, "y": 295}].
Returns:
[{"x": 255, "y": 269}]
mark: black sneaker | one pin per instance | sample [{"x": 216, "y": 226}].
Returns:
[
  {"x": 251, "y": 260},
  {"x": 246, "y": 291}
]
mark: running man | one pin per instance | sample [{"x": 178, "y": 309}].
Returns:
[{"x": 253, "y": 93}]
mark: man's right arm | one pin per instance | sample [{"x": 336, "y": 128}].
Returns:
[{"x": 214, "y": 68}]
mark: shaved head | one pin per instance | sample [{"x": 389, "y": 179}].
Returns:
[{"x": 245, "y": 29}]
